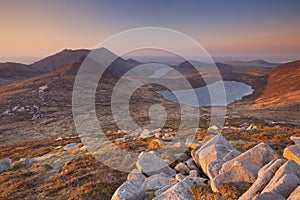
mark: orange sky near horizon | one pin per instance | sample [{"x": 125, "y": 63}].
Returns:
[{"x": 37, "y": 29}]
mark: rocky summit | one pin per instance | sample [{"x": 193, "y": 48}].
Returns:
[{"x": 258, "y": 173}]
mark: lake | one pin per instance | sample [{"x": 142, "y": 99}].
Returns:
[{"x": 234, "y": 91}]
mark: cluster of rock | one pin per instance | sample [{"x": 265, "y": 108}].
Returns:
[
  {"x": 258, "y": 173},
  {"x": 161, "y": 135},
  {"x": 152, "y": 173},
  {"x": 6, "y": 164},
  {"x": 15, "y": 109}
]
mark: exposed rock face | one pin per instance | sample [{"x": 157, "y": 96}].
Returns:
[
  {"x": 258, "y": 155},
  {"x": 240, "y": 172},
  {"x": 136, "y": 176},
  {"x": 295, "y": 194},
  {"x": 5, "y": 164},
  {"x": 285, "y": 180},
  {"x": 265, "y": 174},
  {"x": 129, "y": 191},
  {"x": 156, "y": 181},
  {"x": 292, "y": 153},
  {"x": 150, "y": 164},
  {"x": 180, "y": 191}
]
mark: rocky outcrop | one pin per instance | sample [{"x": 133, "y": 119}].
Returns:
[
  {"x": 258, "y": 171},
  {"x": 265, "y": 174},
  {"x": 285, "y": 180},
  {"x": 214, "y": 149},
  {"x": 292, "y": 153}
]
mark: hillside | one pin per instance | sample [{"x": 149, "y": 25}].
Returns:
[
  {"x": 283, "y": 87},
  {"x": 13, "y": 72}
]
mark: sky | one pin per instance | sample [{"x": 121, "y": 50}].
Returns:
[{"x": 230, "y": 28}]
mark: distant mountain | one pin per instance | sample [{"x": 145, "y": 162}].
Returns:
[
  {"x": 59, "y": 60},
  {"x": 251, "y": 65},
  {"x": 283, "y": 87}
]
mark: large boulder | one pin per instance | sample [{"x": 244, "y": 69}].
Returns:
[
  {"x": 214, "y": 149},
  {"x": 295, "y": 194},
  {"x": 180, "y": 191},
  {"x": 150, "y": 164},
  {"x": 213, "y": 169},
  {"x": 258, "y": 155},
  {"x": 156, "y": 181},
  {"x": 241, "y": 173},
  {"x": 265, "y": 174},
  {"x": 5, "y": 164},
  {"x": 129, "y": 191},
  {"x": 285, "y": 180},
  {"x": 292, "y": 153}
]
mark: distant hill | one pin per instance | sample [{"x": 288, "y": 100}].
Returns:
[
  {"x": 59, "y": 60},
  {"x": 283, "y": 87},
  {"x": 13, "y": 72},
  {"x": 250, "y": 65}
]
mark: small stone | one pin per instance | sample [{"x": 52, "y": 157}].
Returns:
[
  {"x": 181, "y": 157},
  {"x": 295, "y": 139},
  {"x": 156, "y": 181},
  {"x": 191, "y": 143},
  {"x": 150, "y": 164},
  {"x": 194, "y": 173},
  {"x": 198, "y": 181},
  {"x": 5, "y": 164},
  {"x": 191, "y": 164},
  {"x": 179, "y": 177},
  {"x": 72, "y": 146},
  {"x": 158, "y": 135},
  {"x": 129, "y": 191},
  {"x": 136, "y": 176},
  {"x": 182, "y": 168},
  {"x": 179, "y": 191}
]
